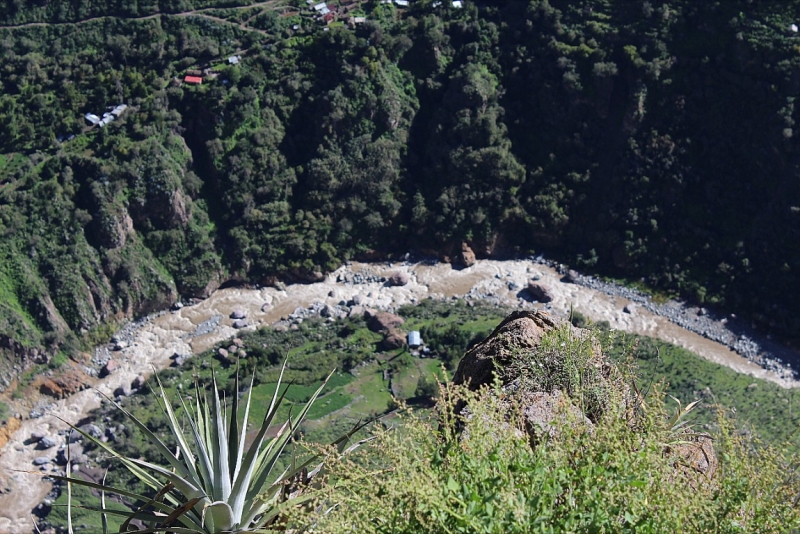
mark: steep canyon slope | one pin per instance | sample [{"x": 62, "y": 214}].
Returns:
[{"x": 645, "y": 140}]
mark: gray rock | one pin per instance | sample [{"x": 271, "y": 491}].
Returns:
[
  {"x": 138, "y": 382},
  {"x": 47, "y": 442},
  {"x": 222, "y": 353},
  {"x": 540, "y": 291},
  {"x": 239, "y": 314},
  {"x": 92, "y": 429},
  {"x": 546, "y": 413},
  {"x": 571, "y": 277},
  {"x": 356, "y": 311},
  {"x": 326, "y": 311},
  {"x": 357, "y": 299},
  {"x": 37, "y": 436},
  {"x": 630, "y": 308},
  {"x": 122, "y": 391},
  {"x": 41, "y": 460},
  {"x": 398, "y": 279},
  {"x": 239, "y": 323}
]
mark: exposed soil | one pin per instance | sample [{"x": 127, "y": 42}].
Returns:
[{"x": 193, "y": 329}]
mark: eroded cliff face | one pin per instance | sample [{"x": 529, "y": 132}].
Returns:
[{"x": 93, "y": 244}]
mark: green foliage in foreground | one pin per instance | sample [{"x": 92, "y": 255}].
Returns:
[
  {"x": 616, "y": 479},
  {"x": 215, "y": 481},
  {"x": 758, "y": 405},
  {"x": 765, "y": 408}
]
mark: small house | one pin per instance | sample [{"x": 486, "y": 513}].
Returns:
[
  {"x": 196, "y": 80},
  {"x": 793, "y": 28},
  {"x": 119, "y": 110},
  {"x": 91, "y": 117},
  {"x": 327, "y": 18},
  {"x": 107, "y": 118},
  {"x": 457, "y": 4},
  {"x": 401, "y": 3},
  {"x": 414, "y": 339},
  {"x": 234, "y": 60},
  {"x": 320, "y": 6}
]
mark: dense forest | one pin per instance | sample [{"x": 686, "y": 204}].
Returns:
[{"x": 638, "y": 139}]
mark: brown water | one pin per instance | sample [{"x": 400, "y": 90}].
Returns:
[{"x": 170, "y": 333}]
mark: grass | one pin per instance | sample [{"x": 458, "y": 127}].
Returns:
[{"x": 359, "y": 389}]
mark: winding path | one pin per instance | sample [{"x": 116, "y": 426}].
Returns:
[{"x": 182, "y": 14}]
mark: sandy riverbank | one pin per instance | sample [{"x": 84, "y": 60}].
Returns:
[{"x": 151, "y": 342}]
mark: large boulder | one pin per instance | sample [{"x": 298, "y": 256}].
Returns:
[
  {"x": 519, "y": 331},
  {"x": 467, "y": 256},
  {"x": 539, "y": 291},
  {"x": 398, "y": 279},
  {"x": 383, "y": 321},
  {"x": 394, "y": 339}
]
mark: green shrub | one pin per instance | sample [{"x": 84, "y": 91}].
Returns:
[
  {"x": 478, "y": 472},
  {"x": 416, "y": 479}
]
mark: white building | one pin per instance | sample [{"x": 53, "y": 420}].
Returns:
[
  {"x": 91, "y": 117},
  {"x": 414, "y": 339},
  {"x": 119, "y": 110}
]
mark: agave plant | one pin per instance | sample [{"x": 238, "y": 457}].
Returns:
[{"x": 213, "y": 483}]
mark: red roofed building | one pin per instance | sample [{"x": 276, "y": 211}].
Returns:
[
  {"x": 193, "y": 79},
  {"x": 328, "y": 17}
]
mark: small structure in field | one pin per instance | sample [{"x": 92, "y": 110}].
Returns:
[{"x": 414, "y": 339}]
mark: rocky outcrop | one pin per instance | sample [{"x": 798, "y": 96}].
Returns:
[
  {"x": 69, "y": 382},
  {"x": 467, "y": 256},
  {"x": 546, "y": 405},
  {"x": 519, "y": 331}
]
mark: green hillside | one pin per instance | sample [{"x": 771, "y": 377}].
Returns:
[{"x": 641, "y": 140}]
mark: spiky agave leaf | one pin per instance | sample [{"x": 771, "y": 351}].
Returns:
[{"x": 214, "y": 483}]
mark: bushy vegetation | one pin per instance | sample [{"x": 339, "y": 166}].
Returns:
[
  {"x": 479, "y": 471},
  {"x": 360, "y": 391},
  {"x": 639, "y": 140},
  {"x": 617, "y": 479}
]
